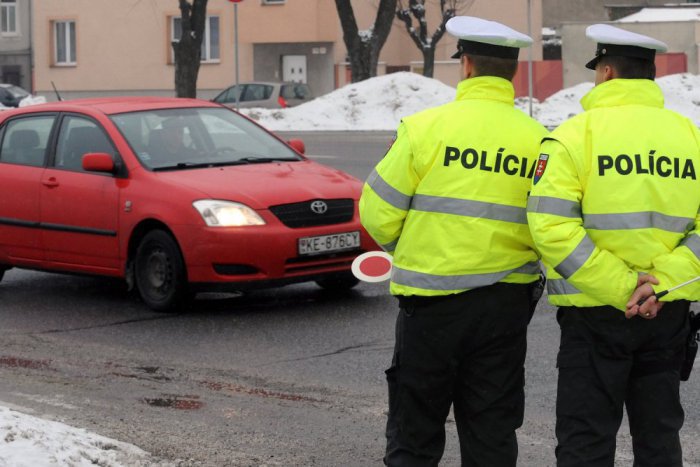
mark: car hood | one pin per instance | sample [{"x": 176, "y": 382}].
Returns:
[{"x": 262, "y": 185}]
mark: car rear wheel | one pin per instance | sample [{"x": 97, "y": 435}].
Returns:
[
  {"x": 159, "y": 271},
  {"x": 338, "y": 282}
]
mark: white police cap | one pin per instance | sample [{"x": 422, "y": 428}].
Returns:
[
  {"x": 483, "y": 37},
  {"x": 616, "y": 42}
]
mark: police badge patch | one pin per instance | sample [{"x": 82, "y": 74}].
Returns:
[{"x": 541, "y": 165}]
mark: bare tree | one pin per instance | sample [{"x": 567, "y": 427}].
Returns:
[
  {"x": 188, "y": 47},
  {"x": 426, "y": 44},
  {"x": 364, "y": 45}
]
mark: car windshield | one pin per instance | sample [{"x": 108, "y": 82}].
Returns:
[{"x": 175, "y": 139}]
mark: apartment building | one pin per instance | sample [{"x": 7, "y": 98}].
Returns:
[
  {"x": 15, "y": 43},
  {"x": 119, "y": 47}
]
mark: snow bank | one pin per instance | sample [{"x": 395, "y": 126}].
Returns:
[
  {"x": 32, "y": 100},
  {"x": 27, "y": 441},
  {"x": 374, "y": 104},
  {"x": 380, "y": 103}
]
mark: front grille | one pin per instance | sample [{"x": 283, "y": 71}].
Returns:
[{"x": 298, "y": 215}]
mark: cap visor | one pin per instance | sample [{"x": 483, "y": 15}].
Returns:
[{"x": 591, "y": 65}]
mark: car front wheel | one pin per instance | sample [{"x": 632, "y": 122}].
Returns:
[
  {"x": 338, "y": 282},
  {"x": 159, "y": 272}
]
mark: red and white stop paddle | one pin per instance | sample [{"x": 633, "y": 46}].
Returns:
[{"x": 373, "y": 266}]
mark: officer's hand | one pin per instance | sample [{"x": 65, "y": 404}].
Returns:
[
  {"x": 650, "y": 307},
  {"x": 644, "y": 278}
]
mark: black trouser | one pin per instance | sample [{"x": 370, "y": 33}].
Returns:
[
  {"x": 606, "y": 361},
  {"x": 468, "y": 350}
]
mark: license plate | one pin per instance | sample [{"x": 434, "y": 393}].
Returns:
[{"x": 329, "y": 243}]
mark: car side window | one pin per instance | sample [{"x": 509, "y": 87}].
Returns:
[
  {"x": 257, "y": 92},
  {"x": 79, "y": 136},
  {"x": 26, "y": 139}
]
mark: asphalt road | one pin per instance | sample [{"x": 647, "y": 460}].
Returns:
[{"x": 292, "y": 376}]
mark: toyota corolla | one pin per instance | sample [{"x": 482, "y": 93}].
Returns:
[{"x": 175, "y": 196}]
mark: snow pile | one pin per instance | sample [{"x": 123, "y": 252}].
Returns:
[
  {"x": 380, "y": 103},
  {"x": 29, "y": 100},
  {"x": 32, "y": 100},
  {"x": 27, "y": 441},
  {"x": 374, "y": 104},
  {"x": 654, "y": 15},
  {"x": 681, "y": 94},
  {"x": 557, "y": 107}
]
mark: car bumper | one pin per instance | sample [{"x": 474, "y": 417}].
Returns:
[{"x": 261, "y": 256}]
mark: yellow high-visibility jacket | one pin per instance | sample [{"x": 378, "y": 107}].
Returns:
[
  {"x": 616, "y": 194},
  {"x": 448, "y": 199}
]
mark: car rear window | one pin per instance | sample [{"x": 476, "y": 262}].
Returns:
[
  {"x": 295, "y": 91},
  {"x": 17, "y": 92}
]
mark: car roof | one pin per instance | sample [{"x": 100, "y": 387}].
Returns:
[{"x": 116, "y": 105}]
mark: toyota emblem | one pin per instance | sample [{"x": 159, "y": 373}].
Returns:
[{"x": 319, "y": 207}]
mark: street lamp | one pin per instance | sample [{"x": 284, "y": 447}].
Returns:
[{"x": 235, "y": 45}]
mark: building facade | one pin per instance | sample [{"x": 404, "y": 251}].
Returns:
[
  {"x": 278, "y": 40},
  {"x": 557, "y": 12},
  {"x": 16, "y": 43},
  {"x": 681, "y": 35}
]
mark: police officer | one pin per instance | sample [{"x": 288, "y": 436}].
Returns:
[
  {"x": 614, "y": 212},
  {"x": 448, "y": 201}
]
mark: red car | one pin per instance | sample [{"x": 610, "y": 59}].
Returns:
[{"x": 175, "y": 196}]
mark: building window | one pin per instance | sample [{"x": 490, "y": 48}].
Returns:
[
  {"x": 273, "y": 2},
  {"x": 210, "y": 41},
  {"x": 64, "y": 43},
  {"x": 8, "y": 17}
]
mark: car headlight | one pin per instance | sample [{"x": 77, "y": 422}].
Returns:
[{"x": 226, "y": 213}]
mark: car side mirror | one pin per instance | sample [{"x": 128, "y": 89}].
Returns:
[
  {"x": 298, "y": 145},
  {"x": 98, "y": 162}
]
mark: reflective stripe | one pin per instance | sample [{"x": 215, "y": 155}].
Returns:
[
  {"x": 391, "y": 246},
  {"x": 692, "y": 242},
  {"x": 576, "y": 259},
  {"x": 556, "y": 206},
  {"x": 560, "y": 287},
  {"x": 471, "y": 208},
  {"x": 637, "y": 220},
  {"x": 387, "y": 192},
  {"x": 609, "y": 221},
  {"x": 467, "y": 281}
]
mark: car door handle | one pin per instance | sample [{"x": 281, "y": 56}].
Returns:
[{"x": 50, "y": 182}]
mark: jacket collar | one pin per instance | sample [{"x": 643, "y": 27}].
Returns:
[
  {"x": 486, "y": 87},
  {"x": 618, "y": 92}
]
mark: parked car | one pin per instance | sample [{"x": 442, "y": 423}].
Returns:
[
  {"x": 11, "y": 95},
  {"x": 176, "y": 196},
  {"x": 266, "y": 95}
]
